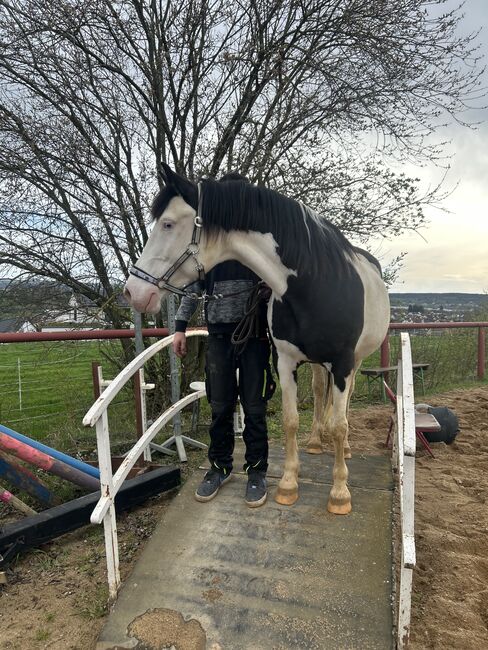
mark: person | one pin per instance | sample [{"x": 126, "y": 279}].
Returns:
[{"x": 223, "y": 359}]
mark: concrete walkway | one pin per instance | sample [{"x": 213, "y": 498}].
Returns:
[{"x": 222, "y": 576}]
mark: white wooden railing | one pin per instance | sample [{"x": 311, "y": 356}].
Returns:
[
  {"x": 404, "y": 443},
  {"x": 110, "y": 484}
]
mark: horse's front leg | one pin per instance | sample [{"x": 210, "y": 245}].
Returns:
[
  {"x": 340, "y": 498},
  {"x": 314, "y": 444},
  {"x": 287, "y": 492}
]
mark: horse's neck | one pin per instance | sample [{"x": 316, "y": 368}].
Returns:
[{"x": 255, "y": 250}]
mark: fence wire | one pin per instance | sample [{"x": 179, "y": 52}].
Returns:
[{"x": 45, "y": 388}]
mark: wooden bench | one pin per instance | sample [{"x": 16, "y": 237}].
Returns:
[
  {"x": 424, "y": 423},
  {"x": 379, "y": 374}
]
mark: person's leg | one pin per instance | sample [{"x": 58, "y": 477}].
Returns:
[
  {"x": 221, "y": 384},
  {"x": 253, "y": 363}
]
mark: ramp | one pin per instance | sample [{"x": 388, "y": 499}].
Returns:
[{"x": 222, "y": 576}]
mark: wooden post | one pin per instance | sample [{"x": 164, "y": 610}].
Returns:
[
  {"x": 481, "y": 353},
  {"x": 385, "y": 353},
  {"x": 97, "y": 389}
]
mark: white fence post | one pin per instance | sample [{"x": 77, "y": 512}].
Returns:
[
  {"x": 20, "y": 384},
  {"x": 109, "y": 521},
  {"x": 404, "y": 449}
]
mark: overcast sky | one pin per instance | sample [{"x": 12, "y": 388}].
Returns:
[{"x": 453, "y": 256}]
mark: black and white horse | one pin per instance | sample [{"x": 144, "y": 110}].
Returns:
[{"x": 329, "y": 305}]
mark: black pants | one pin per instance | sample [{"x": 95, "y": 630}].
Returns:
[{"x": 222, "y": 391}]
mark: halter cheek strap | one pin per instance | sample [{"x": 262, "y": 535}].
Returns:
[{"x": 191, "y": 251}]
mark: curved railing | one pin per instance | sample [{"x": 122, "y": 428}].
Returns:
[{"x": 110, "y": 484}]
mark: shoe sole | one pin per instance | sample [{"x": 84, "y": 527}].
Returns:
[
  {"x": 203, "y": 499},
  {"x": 256, "y": 504}
]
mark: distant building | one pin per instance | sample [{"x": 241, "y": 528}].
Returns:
[{"x": 16, "y": 325}]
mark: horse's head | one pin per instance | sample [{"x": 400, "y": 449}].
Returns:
[{"x": 163, "y": 260}]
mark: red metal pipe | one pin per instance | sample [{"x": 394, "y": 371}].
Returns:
[
  {"x": 80, "y": 335},
  {"x": 47, "y": 463},
  {"x": 25, "y": 480},
  {"x": 8, "y": 497},
  {"x": 435, "y": 326},
  {"x": 481, "y": 352}
]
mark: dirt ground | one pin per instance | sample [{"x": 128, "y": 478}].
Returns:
[
  {"x": 56, "y": 596},
  {"x": 450, "y": 590}
]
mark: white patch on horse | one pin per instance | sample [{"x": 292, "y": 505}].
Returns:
[
  {"x": 376, "y": 308},
  {"x": 258, "y": 251}
]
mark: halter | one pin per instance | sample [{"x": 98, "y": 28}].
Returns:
[{"x": 191, "y": 251}]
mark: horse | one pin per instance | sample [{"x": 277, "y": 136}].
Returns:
[{"x": 329, "y": 305}]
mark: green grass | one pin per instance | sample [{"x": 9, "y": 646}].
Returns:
[
  {"x": 46, "y": 388},
  {"x": 56, "y": 383}
]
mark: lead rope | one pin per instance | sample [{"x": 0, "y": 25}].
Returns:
[{"x": 248, "y": 326}]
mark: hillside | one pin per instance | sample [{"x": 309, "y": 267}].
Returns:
[{"x": 437, "y": 299}]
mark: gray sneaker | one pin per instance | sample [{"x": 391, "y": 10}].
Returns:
[
  {"x": 211, "y": 484},
  {"x": 256, "y": 491}
]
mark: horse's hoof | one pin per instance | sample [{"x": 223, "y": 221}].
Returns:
[
  {"x": 347, "y": 452},
  {"x": 314, "y": 448},
  {"x": 286, "y": 496},
  {"x": 339, "y": 506}
]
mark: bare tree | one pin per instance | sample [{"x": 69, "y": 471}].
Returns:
[{"x": 95, "y": 94}]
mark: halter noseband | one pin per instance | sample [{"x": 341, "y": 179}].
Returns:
[{"x": 191, "y": 251}]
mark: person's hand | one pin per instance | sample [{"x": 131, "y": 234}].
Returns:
[{"x": 179, "y": 344}]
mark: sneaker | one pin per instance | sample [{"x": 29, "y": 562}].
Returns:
[
  {"x": 211, "y": 484},
  {"x": 256, "y": 491}
]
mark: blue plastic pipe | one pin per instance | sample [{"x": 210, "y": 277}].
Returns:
[{"x": 69, "y": 460}]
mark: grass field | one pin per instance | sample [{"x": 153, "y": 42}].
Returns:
[{"x": 46, "y": 388}]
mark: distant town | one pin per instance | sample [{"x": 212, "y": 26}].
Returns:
[
  {"x": 46, "y": 306},
  {"x": 438, "y": 307}
]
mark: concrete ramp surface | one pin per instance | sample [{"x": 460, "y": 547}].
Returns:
[{"x": 222, "y": 576}]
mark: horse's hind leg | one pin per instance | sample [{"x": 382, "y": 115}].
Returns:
[
  {"x": 347, "y": 448},
  {"x": 314, "y": 444},
  {"x": 340, "y": 498},
  {"x": 287, "y": 492}
]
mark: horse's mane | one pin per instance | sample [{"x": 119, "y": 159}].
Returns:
[{"x": 306, "y": 240}]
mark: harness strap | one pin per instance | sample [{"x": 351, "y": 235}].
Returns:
[{"x": 191, "y": 251}]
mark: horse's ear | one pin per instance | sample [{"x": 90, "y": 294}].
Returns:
[
  {"x": 183, "y": 187},
  {"x": 162, "y": 175},
  {"x": 167, "y": 173}
]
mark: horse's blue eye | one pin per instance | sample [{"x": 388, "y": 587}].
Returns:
[{"x": 167, "y": 225}]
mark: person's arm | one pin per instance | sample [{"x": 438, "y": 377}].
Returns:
[{"x": 185, "y": 311}]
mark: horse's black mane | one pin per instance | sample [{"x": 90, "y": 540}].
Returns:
[
  {"x": 306, "y": 240},
  {"x": 161, "y": 200}
]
